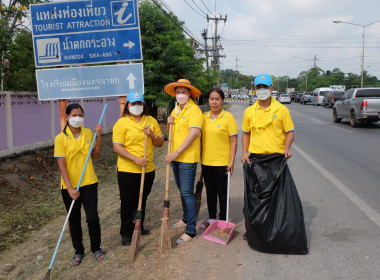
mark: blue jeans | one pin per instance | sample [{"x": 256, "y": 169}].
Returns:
[{"x": 184, "y": 174}]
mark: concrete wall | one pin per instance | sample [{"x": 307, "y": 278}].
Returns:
[{"x": 27, "y": 123}]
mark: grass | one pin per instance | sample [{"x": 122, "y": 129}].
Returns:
[
  {"x": 27, "y": 251},
  {"x": 30, "y": 194}
]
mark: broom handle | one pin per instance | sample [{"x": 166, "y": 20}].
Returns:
[
  {"x": 72, "y": 203},
  {"x": 143, "y": 175},
  {"x": 168, "y": 164},
  {"x": 228, "y": 196}
]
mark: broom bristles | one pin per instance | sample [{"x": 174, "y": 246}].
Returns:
[
  {"x": 135, "y": 246},
  {"x": 164, "y": 243},
  {"x": 47, "y": 276}
]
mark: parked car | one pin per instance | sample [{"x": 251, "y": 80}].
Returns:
[
  {"x": 358, "y": 105},
  {"x": 331, "y": 98},
  {"x": 284, "y": 98},
  {"x": 305, "y": 98},
  {"x": 319, "y": 94},
  {"x": 252, "y": 99}
]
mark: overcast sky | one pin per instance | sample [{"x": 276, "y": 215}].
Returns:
[{"x": 267, "y": 35}]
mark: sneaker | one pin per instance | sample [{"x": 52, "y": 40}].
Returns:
[
  {"x": 126, "y": 240},
  {"x": 245, "y": 236}
]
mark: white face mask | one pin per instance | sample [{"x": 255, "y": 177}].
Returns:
[
  {"x": 182, "y": 98},
  {"x": 76, "y": 121},
  {"x": 263, "y": 93},
  {"x": 136, "y": 110}
]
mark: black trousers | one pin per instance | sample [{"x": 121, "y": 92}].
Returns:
[
  {"x": 216, "y": 187},
  {"x": 89, "y": 199},
  {"x": 129, "y": 187}
]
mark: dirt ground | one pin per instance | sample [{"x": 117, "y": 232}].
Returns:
[{"x": 32, "y": 215}]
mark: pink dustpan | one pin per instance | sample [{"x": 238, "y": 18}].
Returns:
[{"x": 221, "y": 231}]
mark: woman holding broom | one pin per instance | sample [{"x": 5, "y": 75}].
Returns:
[
  {"x": 219, "y": 143},
  {"x": 71, "y": 149},
  {"x": 186, "y": 120},
  {"x": 128, "y": 143}
]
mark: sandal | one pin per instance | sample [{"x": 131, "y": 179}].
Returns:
[
  {"x": 77, "y": 260},
  {"x": 179, "y": 224},
  {"x": 185, "y": 238},
  {"x": 206, "y": 224},
  {"x": 99, "y": 255}
]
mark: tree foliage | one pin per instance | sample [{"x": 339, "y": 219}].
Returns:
[
  {"x": 168, "y": 55},
  {"x": 13, "y": 25},
  {"x": 20, "y": 71},
  {"x": 236, "y": 80}
]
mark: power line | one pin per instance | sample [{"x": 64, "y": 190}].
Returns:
[
  {"x": 198, "y": 7},
  {"x": 184, "y": 27},
  {"x": 207, "y": 8},
  {"x": 176, "y": 22},
  {"x": 193, "y": 8}
]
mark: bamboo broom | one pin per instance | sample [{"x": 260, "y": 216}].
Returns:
[
  {"x": 135, "y": 244},
  {"x": 164, "y": 243}
]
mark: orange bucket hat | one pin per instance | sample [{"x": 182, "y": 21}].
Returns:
[{"x": 170, "y": 88}]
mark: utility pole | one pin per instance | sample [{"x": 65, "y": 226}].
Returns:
[
  {"x": 204, "y": 35},
  {"x": 207, "y": 50},
  {"x": 215, "y": 39}
]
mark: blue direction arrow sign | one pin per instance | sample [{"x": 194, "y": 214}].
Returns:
[
  {"x": 82, "y": 32},
  {"x": 91, "y": 81}
]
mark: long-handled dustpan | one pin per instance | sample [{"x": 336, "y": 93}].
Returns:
[{"x": 221, "y": 231}]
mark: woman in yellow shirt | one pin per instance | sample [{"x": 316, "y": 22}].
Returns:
[
  {"x": 128, "y": 143},
  {"x": 219, "y": 143},
  {"x": 71, "y": 148},
  {"x": 187, "y": 123}
]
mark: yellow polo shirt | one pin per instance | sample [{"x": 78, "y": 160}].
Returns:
[
  {"x": 130, "y": 134},
  {"x": 216, "y": 147},
  {"x": 191, "y": 116},
  {"x": 75, "y": 152},
  {"x": 267, "y": 127}
]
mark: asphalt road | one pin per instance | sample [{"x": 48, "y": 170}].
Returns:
[{"x": 335, "y": 168}]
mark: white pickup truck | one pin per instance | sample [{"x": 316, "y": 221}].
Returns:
[{"x": 359, "y": 105}]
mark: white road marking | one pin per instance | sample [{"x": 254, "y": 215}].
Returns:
[
  {"x": 337, "y": 127},
  {"x": 368, "y": 210},
  {"x": 317, "y": 121}
]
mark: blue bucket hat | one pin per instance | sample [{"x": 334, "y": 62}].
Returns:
[
  {"x": 135, "y": 96},
  {"x": 263, "y": 79}
]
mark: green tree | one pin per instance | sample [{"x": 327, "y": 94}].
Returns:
[
  {"x": 13, "y": 19},
  {"x": 168, "y": 56},
  {"x": 20, "y": 71},
  {"x": 235, "y": 80}
]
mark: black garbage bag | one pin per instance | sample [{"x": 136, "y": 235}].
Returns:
[{"x": 273, "y": 212}]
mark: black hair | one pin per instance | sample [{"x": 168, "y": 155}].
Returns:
[
  {"x": 68, "y": 112},
  {"x": 127, "y": 113},
  {"x": 218, "y": 90}
]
